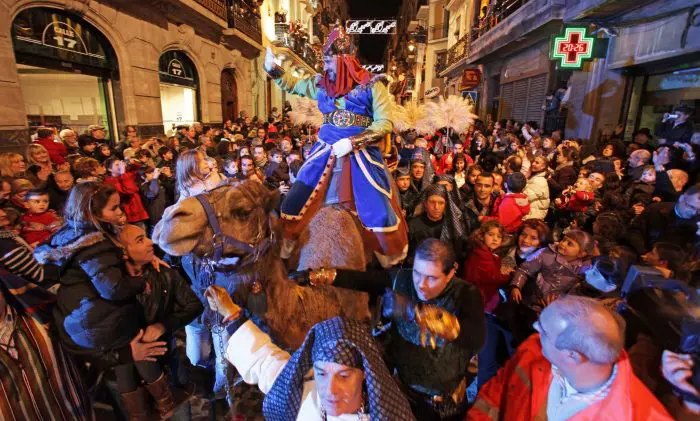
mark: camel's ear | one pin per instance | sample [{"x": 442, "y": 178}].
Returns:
[{"x": 272, "y": 200}]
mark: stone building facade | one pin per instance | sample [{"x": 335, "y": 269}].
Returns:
[
  {"x": 149, "y": 48},
  {"x": 651, "y": 64}
]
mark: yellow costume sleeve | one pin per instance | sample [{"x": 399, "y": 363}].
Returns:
[
  {"x": 382, "y": 105},
  {"x": 298, "y": 86}
]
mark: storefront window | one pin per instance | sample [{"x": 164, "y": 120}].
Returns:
[
  {"x": 178, "y": 90},
  {"x": 179, "y": 105},
  {"x": 63, "y": 99},
  {"x": 661, "y": 94},
  {"x": 66, "y": 68}
]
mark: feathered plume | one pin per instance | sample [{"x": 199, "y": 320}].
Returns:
[
  {"x": 409, "y": 116},
  {"x": 453, "y": 112},
  {"x": 305, "y": 111}
]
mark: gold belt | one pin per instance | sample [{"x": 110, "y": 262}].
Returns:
[{"x": 345, "y": 118}]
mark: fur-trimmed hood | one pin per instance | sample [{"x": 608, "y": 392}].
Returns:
[{"x": 65, "y": 243}]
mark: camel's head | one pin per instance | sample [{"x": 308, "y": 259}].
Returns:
[{"x": 243, "y": 211}]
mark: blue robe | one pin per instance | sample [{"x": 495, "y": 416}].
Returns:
[{"x": 371, "y": 186}]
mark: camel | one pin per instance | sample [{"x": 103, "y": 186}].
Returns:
[{"x": 245, "y": 213}]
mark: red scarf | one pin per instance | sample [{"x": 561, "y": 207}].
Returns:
[{"x": 348, "y": 73}]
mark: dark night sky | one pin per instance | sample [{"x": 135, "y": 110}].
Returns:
[{"x": 372, "y": 46}]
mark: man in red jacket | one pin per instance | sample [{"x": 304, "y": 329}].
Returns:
[
  {"x": 573, "y": 369},
  {"x": 57, "y": 150}
]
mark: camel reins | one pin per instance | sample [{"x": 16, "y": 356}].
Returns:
[{"x": 220, "y": 239}]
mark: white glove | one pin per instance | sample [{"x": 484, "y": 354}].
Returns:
[{"x": 342, "y": 147}]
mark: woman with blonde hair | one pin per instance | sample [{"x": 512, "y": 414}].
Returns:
[
  {"x": 39, "y": 165},
  {"x": 37, "y": 154},
  {"x": 12, "y": 165},
  {"x": 194, "y": 174}
]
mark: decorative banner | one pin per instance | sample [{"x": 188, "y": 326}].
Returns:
[
  {"x": 470, "y": 79},
  {"x": 572, "y": 48},
  {"x": 374, "y": 68},
  {"x": 371, "y": 27},
  {"x": 432, "y": 92}
]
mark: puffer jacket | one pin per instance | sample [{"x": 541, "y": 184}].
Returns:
[
  {"x": 537, "y": 191},
  {"x": 97, "y": 312},
  {"x": 509, "y": 210},
  {"x": 552, "y": 275}
]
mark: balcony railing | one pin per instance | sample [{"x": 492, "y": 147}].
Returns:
[
  {"x": 298, "y": 43},
  {"x": 245, "y": 16},
  {"x": 420, "y": 35},
  {"x": 217, "y": 7},
  {"x": 493, "y": 17},
  {"x": 437, "y": 32},
  {"x": 458, "y": 51}
]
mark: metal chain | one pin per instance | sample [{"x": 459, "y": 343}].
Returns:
[{"x": 217, "y": 328}]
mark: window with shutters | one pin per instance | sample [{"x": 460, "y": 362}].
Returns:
[
  {"x": 538, "y": 88},
  {"x": 522, "y": 100},
  {"x": 507, "y": 99},
  {"x": 522, "y": 95}
]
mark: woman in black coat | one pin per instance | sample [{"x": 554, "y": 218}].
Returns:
[
  {"x": 97, "y": 311},
  {"x": 97, "y": 294}
]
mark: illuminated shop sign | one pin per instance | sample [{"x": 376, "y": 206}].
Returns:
[{"x": 571, "y": 49}]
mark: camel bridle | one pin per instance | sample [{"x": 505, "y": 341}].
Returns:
[{"x": 220, "y": 239}]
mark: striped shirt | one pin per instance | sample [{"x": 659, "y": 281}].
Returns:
[
  {"x": 16, "y": 256},
  {"x": 31, "y": 284}
]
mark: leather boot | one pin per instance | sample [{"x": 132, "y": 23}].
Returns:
[
  {"x": 163, "y": 397},
  {"x": 136, "y": 404}
]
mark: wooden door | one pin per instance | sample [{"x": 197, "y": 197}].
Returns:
[{"x": 229, "y": 95}]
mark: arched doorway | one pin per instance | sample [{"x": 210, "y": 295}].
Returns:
[
  {"x": 229, "y": 95},
  {"x": 179, "y": 90},
  {"x": 66, "y": 70}
]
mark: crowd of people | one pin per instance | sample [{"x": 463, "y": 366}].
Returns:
[{"x": 524, "y": 235}]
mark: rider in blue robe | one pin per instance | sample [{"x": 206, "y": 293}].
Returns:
[{"x": 346, "y": 166}]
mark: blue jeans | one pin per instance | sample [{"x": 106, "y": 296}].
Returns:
[
  {"x": 200, "y": 341},
  {"x": 496, "y": 351}
]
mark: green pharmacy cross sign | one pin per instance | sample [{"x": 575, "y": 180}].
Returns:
[{"x": 572, "y": 48}]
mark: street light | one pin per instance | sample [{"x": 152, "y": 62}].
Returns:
[{"x": 411, "y": 46}]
